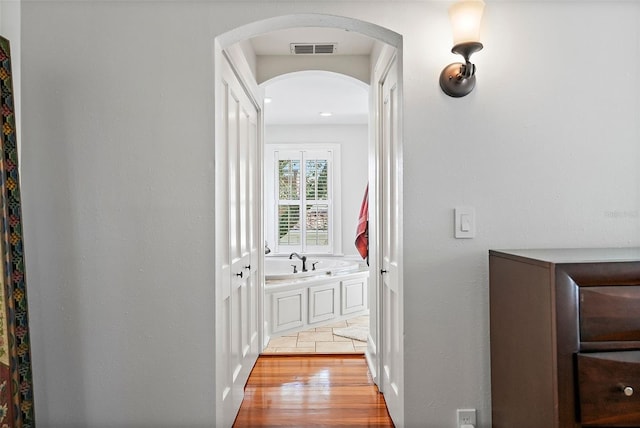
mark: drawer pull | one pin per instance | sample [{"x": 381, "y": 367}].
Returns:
[{"x": 627, "y": 390}]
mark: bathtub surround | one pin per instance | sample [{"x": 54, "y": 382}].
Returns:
[
  {"x": 332, "y": 290},
  {"x": 289, "y": 269}
]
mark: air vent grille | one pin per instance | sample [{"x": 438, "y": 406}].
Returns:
[
  {"x": 324, "y": 49},
  {"x": 313, "y": 48}
]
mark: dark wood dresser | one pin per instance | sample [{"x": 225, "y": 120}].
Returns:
[{"x": 565, "y": 338}]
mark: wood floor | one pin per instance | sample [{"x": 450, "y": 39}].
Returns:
[{"x": 312, "y": 391}]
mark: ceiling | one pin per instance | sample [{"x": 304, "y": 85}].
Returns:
[{"x": 299, "y": 98}]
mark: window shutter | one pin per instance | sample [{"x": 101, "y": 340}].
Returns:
[{"x": 303, "y": 207}]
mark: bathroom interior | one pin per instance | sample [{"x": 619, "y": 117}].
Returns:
[{"x": 316, "y": 294}]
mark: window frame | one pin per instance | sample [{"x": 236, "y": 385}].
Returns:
[{"x": 276, "y": 152}]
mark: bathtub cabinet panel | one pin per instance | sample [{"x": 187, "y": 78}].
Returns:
[
  {"x": 354, "y": 295},
  {"x": 289, "y": 309},
  {"x": 295, "y": 306},
  {"x": 323, "y": 302}
]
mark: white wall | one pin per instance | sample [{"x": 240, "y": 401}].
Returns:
[
  {"x": 270, "y": 66},
  {"x": 118, "y": 213},
  {"x": 353, "y": 140},
  {"x": 118, "y": 188}
]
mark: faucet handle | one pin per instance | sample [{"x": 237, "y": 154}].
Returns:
[
  {"x": 295, "y": 268},
  {"x": 313, "y": 265}
]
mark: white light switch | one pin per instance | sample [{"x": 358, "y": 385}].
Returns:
[{"x": 465, "y": 222}]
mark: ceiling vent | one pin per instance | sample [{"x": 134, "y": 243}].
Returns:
[{"x": 313, "y": 48}]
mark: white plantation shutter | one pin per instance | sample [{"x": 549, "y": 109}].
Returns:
[
  {"x": 288, "y": 215},
  {"x": 316, "y": 202},
  {"x": 304, "y": 211}
]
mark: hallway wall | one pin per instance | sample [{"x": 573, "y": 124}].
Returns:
[{"x": 118, "y": 188}]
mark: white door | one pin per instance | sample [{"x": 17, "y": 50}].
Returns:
[
  {"x": 237, "y": 230},
  {"x": 391, "y": 383}
]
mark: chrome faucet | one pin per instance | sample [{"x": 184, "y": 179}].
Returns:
[{"x": 303, "y": 258}]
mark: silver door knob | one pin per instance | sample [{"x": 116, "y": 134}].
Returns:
[{"x": 627, "y": 390}]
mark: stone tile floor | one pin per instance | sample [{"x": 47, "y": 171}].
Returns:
[{"x": 319, "y": 340}]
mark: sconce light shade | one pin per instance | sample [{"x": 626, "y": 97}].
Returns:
[
  {"x": 465, "y": 19},
  {"x": 458, "y": 79}
]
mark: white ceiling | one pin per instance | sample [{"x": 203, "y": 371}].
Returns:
[{"x": 298, "y": 98}]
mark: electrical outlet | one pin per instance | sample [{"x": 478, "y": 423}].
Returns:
[{"x": 466, "y": 417}]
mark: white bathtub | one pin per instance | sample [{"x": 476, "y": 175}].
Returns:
[
  {"x": 335, "y": 291},
  {"x": 281, "y": 268}
]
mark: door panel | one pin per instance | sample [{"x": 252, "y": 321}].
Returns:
[
  {"x": 238, "y": 236},
  {"x": 253, "y": 222},
  {"x": 391, "y": 296}
]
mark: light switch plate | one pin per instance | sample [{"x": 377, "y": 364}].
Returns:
[{"x": 465, "y": 222}]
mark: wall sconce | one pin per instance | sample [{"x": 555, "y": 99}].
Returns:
[{"x": 458, "y": 79}]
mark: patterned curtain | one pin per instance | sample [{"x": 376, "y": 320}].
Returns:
[{"x": 16, "y": 386}]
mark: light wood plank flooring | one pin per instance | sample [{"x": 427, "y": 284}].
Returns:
[{"x": 312, "y": 391}]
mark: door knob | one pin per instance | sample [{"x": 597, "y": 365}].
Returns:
[{"x": 627, "y": 390}]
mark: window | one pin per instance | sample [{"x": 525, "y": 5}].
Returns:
[{"x": 303, "y": 212}]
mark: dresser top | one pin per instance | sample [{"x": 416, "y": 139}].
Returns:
[{"x": 573, "y": 255}]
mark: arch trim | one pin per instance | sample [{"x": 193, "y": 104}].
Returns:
[{"x": 309, "y": 20}]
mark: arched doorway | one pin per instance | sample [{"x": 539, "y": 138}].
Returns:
[{"x": 239, "y": 215}]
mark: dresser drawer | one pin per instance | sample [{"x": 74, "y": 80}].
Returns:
[
  {"x": 602, "y": 379},
  {"x": 610, "y": 313}
]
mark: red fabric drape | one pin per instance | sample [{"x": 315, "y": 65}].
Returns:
[{"x": 362, "y": 231}]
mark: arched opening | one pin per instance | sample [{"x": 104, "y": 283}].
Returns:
[
  {"x": 241, "y": 66},
  {"x": 315, "y": 175},
  {"x": 317, "y": 110}
]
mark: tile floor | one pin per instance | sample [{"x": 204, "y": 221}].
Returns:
[{"x": 320, "y": 340}]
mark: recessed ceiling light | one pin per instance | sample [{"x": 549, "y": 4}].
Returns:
[
  {"x": 326, "y": 114},
  {"x": 267, "y": 100}
]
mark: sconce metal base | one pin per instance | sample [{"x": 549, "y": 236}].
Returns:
[
  {"x": 467, "y": 49},
  {"x": 458, "y": 79},
  {"x": 454, "y": 85}
]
